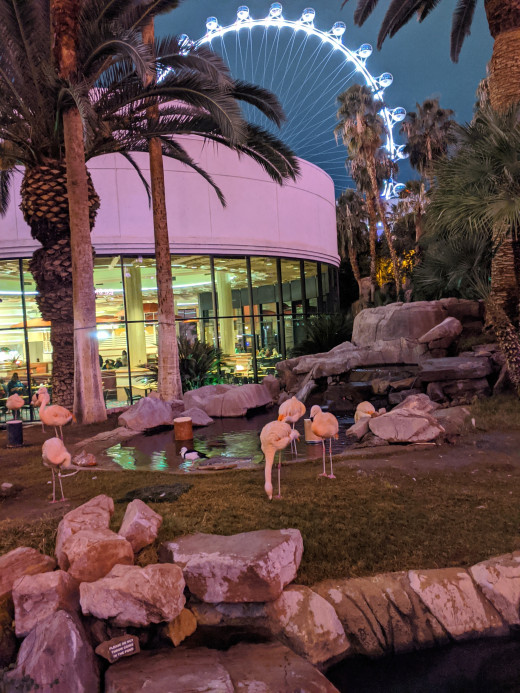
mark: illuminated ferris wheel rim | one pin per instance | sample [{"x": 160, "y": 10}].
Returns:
[{"x": 334, "y": 38}]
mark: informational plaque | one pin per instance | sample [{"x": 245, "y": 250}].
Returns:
[{"x": 122, "y": 646}]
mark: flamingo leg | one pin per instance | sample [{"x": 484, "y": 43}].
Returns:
[
  {"x": 331, "y": 475},
  {"x": 61, "y": 432},
  {"x": 56, "y": 432},
  {"x": 53, "y": 486},
  {"x": 61, "y": 486},
  {"x": 324, "y": 472},
  {"x": 293, "y": 443},
  {"x": 279, "y": 470}
]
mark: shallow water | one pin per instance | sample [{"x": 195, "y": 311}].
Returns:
[
  {"x": 238, "y": 439},
  {"x": 491, "y": 666}
]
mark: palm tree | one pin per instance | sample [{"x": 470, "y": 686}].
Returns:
[
  {"x": 113, "y": 102},
  {"x": 504, "y": 25},
  {"x": 352, "y": 229},
  {"x": 429, "y": 132},
  {"x": 362, "y": 129},
  {"x": 414, "y": 200}
]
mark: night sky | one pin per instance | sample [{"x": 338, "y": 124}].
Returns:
[{"x": 418, "y": 57}]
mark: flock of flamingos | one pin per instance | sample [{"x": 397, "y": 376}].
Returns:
[{"x": 274, "y": 437}]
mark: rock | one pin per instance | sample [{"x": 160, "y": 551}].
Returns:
[
  {"x": 463, "y": 309},
  {"x": 371, "y": 441},
  {"x": 272, "y": 383},
  {"x": 8, "y": 642},
  {"x": 418, "y": 403},
  {"x": 85, "y": 459},
  {"x": 262, "y": 668},
  {"x": 440, "y": 345},
  {"x": 150, "y": 412},
  {"x": 454, "y": 368},
  {"x": 228, "y": 400},
  {"x": 135, "y": 596},
  {"x": 476, "y": 387},
  {"x": 499, "y": 580},
  {"x": 453, "y": 599},
  {"x": 399, "y": 397},
  {"x": 406, "y": 426},
  {"x": 249, "y": 615},
  {"x": 57, "y": 649},
  {"x": 411, "y": 320},
  {"x": 92, "y": 553},
  {"x": 140, "y": 525},
  {"x": 358, "y": 430},
  {"x": 403, "y": 384},
  {"x": 380, "y": 386},
  {"x": 183, "y": 625},
  {"x": 198, "y": 417},
  {"x": 435, "y": 392},
  {"x": 122, "y": 646},
  {"x": 308, "y": 624},
  {"x": 95, "y": 514},
  {"x": 382, "y": 614},
  {"x": 36, "y": 597},
  {"x": 8, "y": 490},
  {"x": 163, "y": 493},
  {"x": 446, "y": 331},
  {"x": 453, "y": 419},
  {"x": 247, "y": 567},
  {"x": 22, "y": 561}
]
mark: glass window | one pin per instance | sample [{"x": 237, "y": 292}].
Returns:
[
  {"x": 13, "y": 369},
  {"x": 11, "y": 311},
  {"x": 34, "y": 318},
  {"x": 291, "y": 287},
  {"x": 140, "y": 288},
  {"x": 192, "y": 288},
  {"x": 311, "y": 286},
  {"x": 108, "y": 285},
  {"x": 40, "y": 357}
]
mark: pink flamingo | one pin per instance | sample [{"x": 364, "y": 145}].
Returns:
[
  {"x": 275, "y": 436},
  {"x": 325, "y": 425},
  {"x": 15, "y": 403},
  {"x": 364, "y": 409},
  {"x": 56, "y": 456},
  {"x": 35, "y": 399},
  {"x": 291, "y": 411},
  {"x": 54, "y": 415}
]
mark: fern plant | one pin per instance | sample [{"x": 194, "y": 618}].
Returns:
[{"x": 323, "y": 333}]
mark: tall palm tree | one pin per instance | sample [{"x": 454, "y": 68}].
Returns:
[
  {"x": 414, "y": 200},
  {"x": 351, "y": 214},
  {"x": 429, "y": 131},
  {"x": 362, "y": 129},
  {"x": 109, "y": 89},
  {"x": 504, "y": 25}
]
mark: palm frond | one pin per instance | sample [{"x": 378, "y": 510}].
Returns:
[
  {"x": 6, "y": 179},
  {"x": 262, "y": 99},
  {"x": 461, "y": 26}
]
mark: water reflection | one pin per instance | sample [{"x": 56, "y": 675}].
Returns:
[{"x": 226, "y": 438}]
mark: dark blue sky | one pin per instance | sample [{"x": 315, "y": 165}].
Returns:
[{"x": 418, "y": 57}]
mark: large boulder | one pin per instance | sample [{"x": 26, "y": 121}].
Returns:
[
  {"x": 499, "y": 580},
  {"x": 452, "y": 597},
  {"x": 308, "y": 624},
  {"x": 19, "y": 562},
  {"x": 382, "y": 614},
  {"x": 36, "y": 597},
  {"x": 140, "y": 525},
  {"x": 418, "y": 402},
  {"x": 406, "y": 426},
  {"x": 150, "y": 412},
  {"x": 8, "y": 643},
  {"x": 198, "y": 417},
  {"x": 453, "y": 419},
  {"x": 57, "y": 650},
  {"x": 95, "y": 514},
  {"x": 454, "y": 368},
  {"x": 135, "y": 596},
  {"x": 410, "y": 320},
  {"x": 261, "y": 668},
  {"x": 221, "y": 401},
  {"x": 247, "y": 567},
  {"x": 92, "y": 553},
  {"x": 446, "y": 331}
]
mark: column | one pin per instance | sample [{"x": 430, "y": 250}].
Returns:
[
  {"x": 225, "y": 308},
  {"x": 134, "y": 311}
]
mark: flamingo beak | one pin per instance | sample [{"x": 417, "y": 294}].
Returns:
[{"x": 281, "y": 417}]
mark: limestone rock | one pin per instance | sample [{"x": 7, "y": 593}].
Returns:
[
  {"x": 385, "y": 323},
  {"x": 474, "y": 387},
  {"x": 499, "y": 580},
  {"x": 356, "y": 432},
  {"x": 418, "y": 402},
  {"x": 454, "y": 368},
  {"x": 308, "y": 624},
  {"x": 58, "y": 649},
  {"x": 399, "y": 397},
  {"x": 249, "y": 615},
  {"x": 150, "y": 412},
  {"x": 140, "y": 525},
  {"x": 228, "y": 400},
  {"x": 247, "y": 567},
  {"x": 406, "y": 426},
  {"x": 182, "y": 626},
  {"x": 272, "y": 383},
  {"x": 446, "y": 331},
  {"x": 134, "y": 596},
  {"x": 435, "y": 392},
  {"x": 92, "y": 553},
  {"x": 453, "y": 599},
  {"x": 114, "y": 649},
  {"x": 36, "y": 597},
  {"x": 95, "y": 514},
  {"x": 453, "y": 419},
  {"x": 8, "y": 643},
  {"x": 382, "y": 614},
  {"x": 198, "y": 417},
  {"x": 22, "y": 561}
]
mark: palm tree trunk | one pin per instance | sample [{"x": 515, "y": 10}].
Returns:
[
  {"x": 507, "y": 338},
  {"x": 169, "y": 384},
  {"x": 372, "y": 240},
  {"x": 89, "y": 406},
  {"x": 352, "y": 256}
]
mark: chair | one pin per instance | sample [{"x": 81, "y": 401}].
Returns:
[
  {"x": 131, "y": 398},
  {"x": 109, "y": 385}
]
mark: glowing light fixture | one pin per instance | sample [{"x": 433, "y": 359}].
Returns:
[
  {"x": 276, "y": 10},
  {"x": 338, "y": 29}
]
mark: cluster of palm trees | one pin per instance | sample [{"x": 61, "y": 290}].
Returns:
[{"x": 83, "y": 78}]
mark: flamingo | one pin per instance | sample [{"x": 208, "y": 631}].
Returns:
[
  {"x": 35, "y": 401},
  {"x": 291, "y": 411},
  {"x": 54, "y": 415},
  {"x": 15, "y": 403},
  {"x": 364, "y": 409},
  {"x": 275, "y": 436},
  {"x": 324, "y": 425},
  {"x": 56, "y": 456}
]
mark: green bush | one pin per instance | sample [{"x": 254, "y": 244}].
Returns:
[{"x": 323, "y": 333}]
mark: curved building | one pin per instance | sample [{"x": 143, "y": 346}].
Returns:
[{"x": 246, "y": 276}]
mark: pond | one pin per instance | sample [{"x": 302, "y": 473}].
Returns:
[
  {"x": 233, "y": 439},
  {"x": 487, "y": 666}
]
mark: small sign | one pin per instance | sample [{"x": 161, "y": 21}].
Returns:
[{"x": 122, "y": 646}]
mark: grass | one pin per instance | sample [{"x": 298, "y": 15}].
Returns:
[{"x": 501, "y": 413}]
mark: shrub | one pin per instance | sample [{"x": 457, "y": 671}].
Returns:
[{"x": 323, "y": 333}]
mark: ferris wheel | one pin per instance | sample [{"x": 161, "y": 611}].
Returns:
[{"x": 307, "y": 69}]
